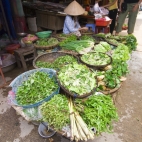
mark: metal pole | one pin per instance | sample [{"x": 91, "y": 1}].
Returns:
[{"x": 5, "y": 21}]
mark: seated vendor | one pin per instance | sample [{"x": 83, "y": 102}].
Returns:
[{"x": 71, "y": 24}]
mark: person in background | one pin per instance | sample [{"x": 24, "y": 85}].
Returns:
[
  {"x": 132, "y": 11},
  {"x": 71, "y": 24},
  {"x": 113, "y": 10}
]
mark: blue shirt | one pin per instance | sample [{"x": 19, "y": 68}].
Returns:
[{"x": 69, "y": 25}]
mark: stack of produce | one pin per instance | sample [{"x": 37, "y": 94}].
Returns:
[
  {"x": 68, "y": 39},
  {"x": 80, "y": 46},
  {"x": 102, "y": 47},
  {"x": 112, "y": 76},
  {"x": 98, "y": 112},
  {"x": 46, "y": 42},
  {"x": 56, "y": 112},
  {"x": 77, "y": 79},
  {"x": 79, "y": 129},
  {"x": 87, "y": 37},
  {"x": 96, "y": 59}
]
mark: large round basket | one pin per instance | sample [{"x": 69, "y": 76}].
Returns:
[
  {"x": 23, "y": 77},
  {"x": 73, "y": 95},
  {"x": 51, "y": 57},
  {"x": 46, "y": 47},
  {"x": 60, "y": 38},
  {"x": 112, "y": 90},
  {"x": 98, "y": 66}
]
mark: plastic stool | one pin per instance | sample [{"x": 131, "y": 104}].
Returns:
[
  {"x": 104, "y": 29},
  {"x": 92, "y": 26},
  {"x": 22, "y": 55}
]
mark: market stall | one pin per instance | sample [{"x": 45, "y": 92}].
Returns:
[
  {"x": 69, "y": 91},
  {"x": 48, "y": 15}
]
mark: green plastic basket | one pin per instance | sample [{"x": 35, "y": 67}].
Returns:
[{"x": 44, "y": 34}]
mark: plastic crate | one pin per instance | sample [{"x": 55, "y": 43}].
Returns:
[{"x": 102, "y": 22}]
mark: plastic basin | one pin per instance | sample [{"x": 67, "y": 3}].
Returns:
[
  {"x": 45, "y": 132},
  {"x": 44, "y": 34}
]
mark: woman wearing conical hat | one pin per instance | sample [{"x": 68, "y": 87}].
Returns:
[{"x": 71, "y": 24}]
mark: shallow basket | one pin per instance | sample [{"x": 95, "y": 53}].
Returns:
[
  {"x": 111, "y": 91},
  {"x": 73, "y": 95},
  {"x": 51, "y": 57},
  {"x": 23, "y": 77},
  {"x": 98, "y": 66},
  {"x": 46, "y": 47},
  {"x": 59, "y": 37}
]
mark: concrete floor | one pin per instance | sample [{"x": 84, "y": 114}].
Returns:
[{"x": 128, "y": 100}]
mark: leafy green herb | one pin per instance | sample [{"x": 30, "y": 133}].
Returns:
[
  {"x": 38, "y": 86},
  {"x": 56, "y": 112},
  {"x": 58, "y": 63},
  {"x": 97, "y": 58},
  {"x": 87, "y": 37},
  {"x": 98, "y": 111},
  {"x": 77, "y": 78},
  {"x": 68, "y": 39}
]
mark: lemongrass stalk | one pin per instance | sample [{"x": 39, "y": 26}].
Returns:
[
  {"x": 74, "y": 128},
  {"x": 92, "y": 136},
  {"x": 71, "y": 121},
  {"x": 82, "y": 124},
  {"x": 82, "y": 135}
]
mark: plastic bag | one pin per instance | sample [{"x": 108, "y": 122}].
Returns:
[
  {"x": 104, "y": 11},
  {"x": 96, "y": 8},
  {"x": 7, "y": 59},
  {"x": 33, "y": 113}
]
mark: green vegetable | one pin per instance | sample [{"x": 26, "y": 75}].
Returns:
[
  {"x": 97, "y": 58},
  {"x": 131, "y": 42},
  {"x": 58, "y": 63},
  {"x": 111, "y": 79},
  {"x": 120, "y": 68},
  {"x": 77, "y": 78},
  {"x": 78, "y": 45},
  {"x": 98, "y": 111},
  {"x": 87, "y": 37},
  {"x": 121, "y": 53},
  {"x": 68, "y": 39},
  {"x": 106, "y": 45},
  {"x": 101, "y": 35},
  {"x": 113, "y": 41},
  {"x": 100, "y": 48},
  {"x": 38, "y": 86},
  {"x": 56, "y": 112},
  {"x": 46, "y": 42}
]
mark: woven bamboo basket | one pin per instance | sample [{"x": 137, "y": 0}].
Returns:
[
  {"x": 73, "y": 95},
  {"x": 97, "y": 66},
  {"x": 111, "y": 91},
  {"x": 60, "y": 37},
  {"x": 50, "y": 57},
  {"x": 46, "y": 47}
]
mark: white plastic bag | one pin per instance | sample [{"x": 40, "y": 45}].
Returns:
[
  {"x": 96, "y": 8},
  {"x": 104, "y": 11}
]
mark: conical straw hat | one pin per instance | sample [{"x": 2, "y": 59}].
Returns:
[{"x": 74, "y": 9}]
